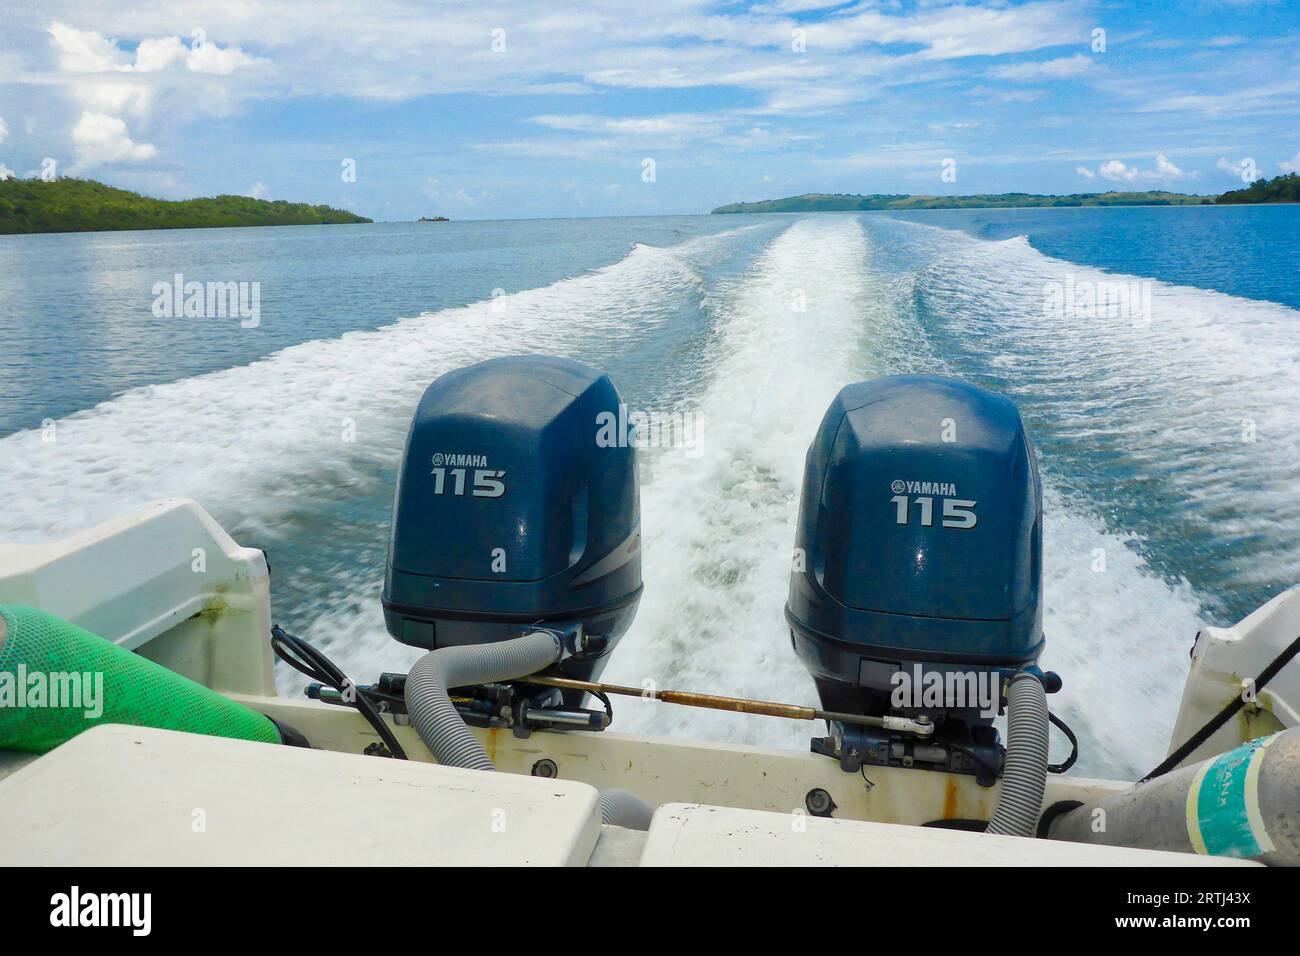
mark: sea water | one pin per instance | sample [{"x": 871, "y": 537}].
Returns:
[{"x": 1154, "y": 353}]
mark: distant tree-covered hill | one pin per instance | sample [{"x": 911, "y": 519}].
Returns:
[
  {"x": 1278, "y": 189},
  {"x": 82, "y": 205},
  {"x": 822, "y": 202}
]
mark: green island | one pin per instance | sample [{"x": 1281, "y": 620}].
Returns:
[
  {"x": 83, "y": 205},
  {"x": 1281, "y": 189}
]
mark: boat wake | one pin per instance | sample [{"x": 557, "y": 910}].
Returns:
[
  {"x": 314, "y": 419},
  {"x": 1141, "y": 421},
  {"x": 718, "y": 525},
  {"x": 1160, "y": 414}
]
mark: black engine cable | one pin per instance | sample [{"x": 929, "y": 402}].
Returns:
[
  {"x": 1223, "y": 716},
  {"x": 1074, "y": 746},
  {"x": 604, "y": 699},
  {"x": 302, "y": 657}
]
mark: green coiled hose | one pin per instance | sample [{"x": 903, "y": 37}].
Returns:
[{"x": 58, "y": 680}]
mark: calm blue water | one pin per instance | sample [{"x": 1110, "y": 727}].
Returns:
[
  {"x": 1165, "y": 423},
  {"x": 1247, "y": 251},
  {"x": 90, "y": 295}
]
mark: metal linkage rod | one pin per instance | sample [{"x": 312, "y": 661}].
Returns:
[{"x": 740, "y": 705}]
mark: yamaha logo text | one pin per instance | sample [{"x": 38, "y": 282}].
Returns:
[
  {"x": 941, "y": 489},
  {"x": 452, "y": 459}
]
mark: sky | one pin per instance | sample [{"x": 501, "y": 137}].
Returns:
[{"x": 522, "y": 109}]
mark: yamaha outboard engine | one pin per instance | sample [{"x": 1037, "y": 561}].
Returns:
[
  {"x": 916, "y": 586},
  {"x": 517, "y": 510}
]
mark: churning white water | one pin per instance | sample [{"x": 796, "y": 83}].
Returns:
[{"x": 753, "y": 330}]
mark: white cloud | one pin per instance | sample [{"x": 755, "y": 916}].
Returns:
[
  {"x": 957, "y": 31},
  {"x": 4, "y": 130},
  {"x": 1058, "y": 69},
  {"x": 160, "y": 53},
  {"x": 1244, "y": 169},
  {"x": 6, "y": 172},
  {"x": 657, "y": 128},
  {"x": 1291, "y": 165},
  {"x": 85, "y": 51},
  {"x": 256, "y": 191},
  {"x": 1085, "y": 172},
  {"x": 210, "y": 58},
  {"x": 1117, "y": 171},
  {"x": 1167, "y": 170},
  {"x": 661, "y": 132},
  {"x": 808, "y": 99},
  {"x": 883, "y": 67},
  {"x": 1245, "y": 96},
  {"x": 103, "y": 78},
  {"x": 163, "y": 53},
  {"x": 797, "y": 6},
  {"x": 107, "y": 82},
  {"x": 98, "y": 139},
  {"x": 1114, "y": 169},
  {"x": 944, "y": 128},
  {"x": 404, "y": 49},
  {"x": 114, "y": 97}
]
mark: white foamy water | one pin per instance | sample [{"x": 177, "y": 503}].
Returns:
[
  {"x": 1170, "y": 429},
  {"x": 1197, "y": 397},
  {"x": 718, "y": 528},
  {"x": 257, "y": 443},
  {"x": 1118, "y": 635},
  {"x": 314, "y": 418}
]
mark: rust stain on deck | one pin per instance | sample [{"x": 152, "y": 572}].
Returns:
[{"x": 950, "y": 800}]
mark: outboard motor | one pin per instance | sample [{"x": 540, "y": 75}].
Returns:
[
  {"x": 517, "y": 510},
  {"x": 916, "y": 590}
]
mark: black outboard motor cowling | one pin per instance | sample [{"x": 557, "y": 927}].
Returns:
[
  {"x": 516, "y": 506},
  {"x": 918, "y": 563}
]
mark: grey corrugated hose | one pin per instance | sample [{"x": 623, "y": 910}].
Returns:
[
  {"x": 621, "y": 808},
  {"x": 444, "y": 732},
  {"x": 1024, "y": 776},
  {"x": 1243, "y": 803}
]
